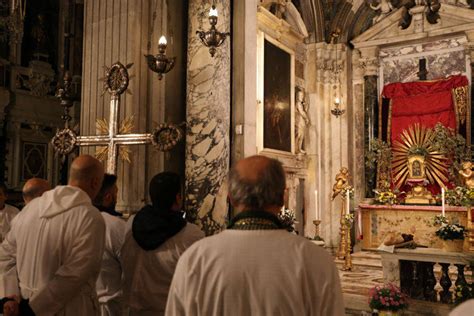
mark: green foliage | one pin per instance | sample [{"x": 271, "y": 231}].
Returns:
[
  {"x": 460, "y": 196},
  {"x": 378, "y": 151},
  {"x": 453, "y": 146},
  {"x": 463, "y": 292}
]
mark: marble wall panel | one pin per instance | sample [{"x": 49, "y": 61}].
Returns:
[
  {"x": 208, "y": 121},
  {"x": 444, "y": 57}
]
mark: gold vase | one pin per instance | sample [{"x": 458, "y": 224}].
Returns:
[{"x": 455, "y": 245}]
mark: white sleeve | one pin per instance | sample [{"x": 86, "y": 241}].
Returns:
[{"x": 8, "y": 272}]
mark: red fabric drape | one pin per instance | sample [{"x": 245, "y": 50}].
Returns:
[{"x": 426, "y": 103}]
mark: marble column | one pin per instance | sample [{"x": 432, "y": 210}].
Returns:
[
  {"x": 370, "y": 127},
  {"x": 208, "y": 120}
]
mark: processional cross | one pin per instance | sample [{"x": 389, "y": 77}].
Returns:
[{"x": 164, "y": 137}]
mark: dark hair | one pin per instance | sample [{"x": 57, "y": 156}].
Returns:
[
  {"x": 3, "y": 187},
  {"x": 108, "y": 182},
  {"x": 163, "y": 189},
  {"x": 268, "y": 189}
]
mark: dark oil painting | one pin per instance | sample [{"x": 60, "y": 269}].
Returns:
[{"x": 277, "y": 98}]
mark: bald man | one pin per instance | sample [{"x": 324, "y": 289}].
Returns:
[
  {"x": 255, "y": 267},
  {"x": 33, "y": 188},
  {"x": 55, "y": 247}
]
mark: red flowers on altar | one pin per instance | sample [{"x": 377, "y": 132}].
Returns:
[{"x": 388, "y": 297}]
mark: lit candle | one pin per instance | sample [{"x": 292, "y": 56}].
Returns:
[
  {"x": 348, "y": 201},
  {"x": 213, "y": 12},
  {"x": 337, "y": 101},
  {"x": 162, "y": 40},
  {"x": 442, "y": 203},
  {"x": 316, "y": 205}
]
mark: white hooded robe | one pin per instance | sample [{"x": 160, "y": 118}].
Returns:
[{"x": 55, "y": 247}]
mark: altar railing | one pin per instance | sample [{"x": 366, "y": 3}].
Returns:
[{"x": 416, "y": 272}]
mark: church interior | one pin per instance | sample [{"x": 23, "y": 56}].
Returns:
[{"x": 366, "y": 103}]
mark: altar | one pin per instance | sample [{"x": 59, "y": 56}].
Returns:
[{"x": 378, "y": 220}]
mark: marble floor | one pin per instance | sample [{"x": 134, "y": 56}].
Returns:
[{"x": 366, "y": 273}]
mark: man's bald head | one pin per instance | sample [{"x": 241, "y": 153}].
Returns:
[
  {"x": 33, "y": 188},
  {"x": 86, "y": 173},
  {"x": 257, "y": 182}
]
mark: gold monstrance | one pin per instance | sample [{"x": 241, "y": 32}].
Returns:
[{"x": 416, "y": 162}]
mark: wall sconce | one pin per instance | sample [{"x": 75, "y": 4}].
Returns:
[
  {"x": 337, "y": 111},
  {"x": 212, "y": 38},
  {"x": 160, "y": 63}
]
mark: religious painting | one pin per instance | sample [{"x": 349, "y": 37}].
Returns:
[{"x": 277, "y": 98}]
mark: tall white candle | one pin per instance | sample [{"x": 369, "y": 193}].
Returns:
[
  {"x": 348, "y": 201},
  {"x": 442, "y": 202},
  {"x": 318, "y": 215}
]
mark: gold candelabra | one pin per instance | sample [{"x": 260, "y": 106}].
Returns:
[
  {"x": 345, "y": 247},
  {"x": 347, "y": 266}
]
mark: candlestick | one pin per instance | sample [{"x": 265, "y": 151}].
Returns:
[
  {"x": 213, "y": 12},
  {"x": 348, "y": 201},
  {"x": 318, "y": 215},
  {"x": 442, "y": 203}
]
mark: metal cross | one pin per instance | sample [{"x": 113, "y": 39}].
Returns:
[{"x": 164, "y": 137}]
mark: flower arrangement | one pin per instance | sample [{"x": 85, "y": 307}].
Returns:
[
  {"x": 451, "y": 232},
  {"x": 385, "y": 197},
  {"x": 388, "y": 297},
  {"x": 463, "y": 292},
  {"x": 287, "y": 219},
  {"x": 439, "y": 219},
  {"x": 348, "y": 219},
  {"x": 460, "y": 196}
]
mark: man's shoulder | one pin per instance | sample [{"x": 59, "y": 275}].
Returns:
[
  {"x": 10, "y": 209},
  {"x": 193, "y": 229}
]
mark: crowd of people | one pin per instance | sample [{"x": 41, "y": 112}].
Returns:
[{"x": 68, "y": 252}]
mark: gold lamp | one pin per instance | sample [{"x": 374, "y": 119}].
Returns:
[{"x": 212, "y": 38}]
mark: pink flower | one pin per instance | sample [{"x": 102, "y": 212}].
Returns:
[{"x": 382, "y": 300}]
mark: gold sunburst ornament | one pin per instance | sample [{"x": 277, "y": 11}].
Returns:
[
  {"x": 126, "y": 127},
  {"x": 417, "y": 140}
]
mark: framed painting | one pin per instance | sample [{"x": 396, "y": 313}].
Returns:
[{"x": 276, "y": 92}]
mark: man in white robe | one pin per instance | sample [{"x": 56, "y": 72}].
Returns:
[
  {"x": 7, "y": 212},
  {"x": 158, "y": 236},
  {"x": 55, "y": 247},
  {"x": 33, "y": 188},
  {"x": 109, "y": 282},
  {"x": 255, "y": 267}
]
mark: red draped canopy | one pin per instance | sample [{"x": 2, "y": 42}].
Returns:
[{"x": 424, "y": 102}]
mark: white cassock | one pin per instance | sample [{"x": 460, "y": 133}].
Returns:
[
  {"x": 109, "y": 282},
  {"x": 148, "y": 274},
  {"x": 255, "y": 272},
  {"x": 6, "y": 217},
  {"x": 55, "y": 246}
]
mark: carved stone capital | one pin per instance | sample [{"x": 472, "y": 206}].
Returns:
[{"x": 370, "y": 66}]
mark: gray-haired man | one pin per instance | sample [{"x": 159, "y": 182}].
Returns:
[{"x": 255, "y": 267}]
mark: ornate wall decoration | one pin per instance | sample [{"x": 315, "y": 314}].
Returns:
[
  {"x": 460, "y": 101},
  {"x": 34, "y": 160}
]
